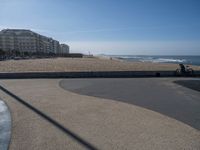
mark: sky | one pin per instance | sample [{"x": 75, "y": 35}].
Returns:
[{"x": 128, "y": 27}]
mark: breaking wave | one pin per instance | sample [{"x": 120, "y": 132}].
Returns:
[
  {"x": 192, "y": 60},
  {"x": 167, "y": 60}
]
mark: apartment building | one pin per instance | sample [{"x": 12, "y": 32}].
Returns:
[
  {"x": 64, "y": 48},
  {"x": 28, "y": 41}
]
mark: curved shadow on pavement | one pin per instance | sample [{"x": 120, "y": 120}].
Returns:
[
  {"x": 74, "y": 136},
  {"x": 191, "y": 84},
  {"x": 147, "y": 93}
]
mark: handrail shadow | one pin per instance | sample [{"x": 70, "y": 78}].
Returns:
[{"x": 52, "y": 121}]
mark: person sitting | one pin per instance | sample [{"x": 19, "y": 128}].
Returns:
[{"x": 183, "y": 69}]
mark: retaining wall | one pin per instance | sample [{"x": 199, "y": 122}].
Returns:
[{"x": 96, "y": 74}]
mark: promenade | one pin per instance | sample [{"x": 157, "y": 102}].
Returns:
[{"x": 47, "y": 116}]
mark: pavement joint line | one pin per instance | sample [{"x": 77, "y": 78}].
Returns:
[{"x": 73, "y": 135}]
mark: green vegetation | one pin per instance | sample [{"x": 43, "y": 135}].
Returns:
[
  {"x": 16, "y": 54},
  {"x": 2, "y": 53}
]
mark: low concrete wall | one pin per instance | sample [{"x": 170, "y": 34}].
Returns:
[{"x": 97, "y": 74}]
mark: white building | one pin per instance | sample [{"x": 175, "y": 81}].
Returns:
[
  {"x": 27, "y": 41},
  {"x": 64, "y": 48}
]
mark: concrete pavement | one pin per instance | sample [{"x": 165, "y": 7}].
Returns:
[
  {"x": 103, "y": 123},
  {"x": 158, "y": 94}
]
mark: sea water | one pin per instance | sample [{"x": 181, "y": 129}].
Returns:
[{"x": 190, "y": 60}]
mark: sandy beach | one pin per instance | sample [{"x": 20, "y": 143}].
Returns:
[{"x": 82, "y": 64}]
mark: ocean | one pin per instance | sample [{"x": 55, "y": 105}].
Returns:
[{"x": 190, "y": 60}]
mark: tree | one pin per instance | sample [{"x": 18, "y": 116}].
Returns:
[
  {"x": 17, "y": 53},
  {"x": 2, "y": 52},
  {"x": 26, "y": 53}
]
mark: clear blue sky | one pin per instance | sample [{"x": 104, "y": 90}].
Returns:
[{"x": 111, "y": 26}]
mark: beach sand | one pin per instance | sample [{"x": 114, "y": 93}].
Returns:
[{"x": 82, "y": 64}]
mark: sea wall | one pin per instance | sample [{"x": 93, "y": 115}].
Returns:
[{"x": 97, "y": 74}]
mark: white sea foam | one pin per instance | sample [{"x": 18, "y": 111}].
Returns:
[
  {"x": 160, "y": 60},
  {"x": 130, "y": 57},
  {"x": 153, "y": 59}
]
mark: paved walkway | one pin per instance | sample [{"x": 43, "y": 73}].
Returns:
[
  {"x": 158, "y": 94},
  {"x": 45, "y": 116}
]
